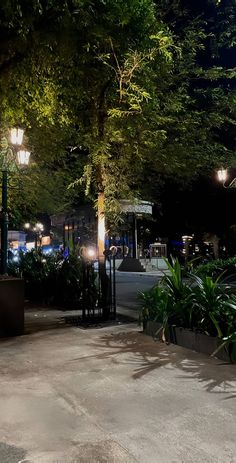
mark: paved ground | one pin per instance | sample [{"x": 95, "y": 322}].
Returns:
[
  {"x": 111, "y": 395},
  {"x": 128, "y": 284}
]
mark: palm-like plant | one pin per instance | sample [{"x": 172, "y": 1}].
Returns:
[
  {"x": 198, "y": 303},
  {"x": 180, "y": 294},
  {"x": 212, "y": 302},
  {"x": 174, "y": 281},
  {"x": 216, "y": 312},
  {"x": 156, "y": 306}
]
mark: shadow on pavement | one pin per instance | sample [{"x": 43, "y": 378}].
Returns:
[
  {"x": 11, "y": 454},
  {"x": 146, "y": 356}
]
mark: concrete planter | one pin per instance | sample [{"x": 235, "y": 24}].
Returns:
[
  {"x": 189, "y": 339},
  {"x": 153, "y": 328},
  {"x": 200, "y": 342},
  {"x": 185, "y": 338},
  {"x": 11, "y": 307}
]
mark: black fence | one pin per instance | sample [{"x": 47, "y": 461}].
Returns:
[{"x": 99, "y": 290}]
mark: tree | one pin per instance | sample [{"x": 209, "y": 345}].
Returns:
[
  {"x": 124, "y": 82},
  {"x": 129, "y": 87}
]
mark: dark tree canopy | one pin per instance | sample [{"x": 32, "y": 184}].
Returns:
[{"x": 117, "y": 96}]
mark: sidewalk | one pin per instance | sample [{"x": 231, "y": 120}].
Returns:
[
  {"x": 111, "y": 395},
  {"x": 157, "y": 273}
]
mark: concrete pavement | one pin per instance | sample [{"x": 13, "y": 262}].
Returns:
[
  {"x": 152, "y": 272},
  {"x": 129, "y": 284},
  {"x": 111, "y": 395}
]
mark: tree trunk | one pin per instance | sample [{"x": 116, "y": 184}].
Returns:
[{"x": 103, "y": 278}]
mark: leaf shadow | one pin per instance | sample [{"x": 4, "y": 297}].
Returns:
[{"x": 145, "y": 356}]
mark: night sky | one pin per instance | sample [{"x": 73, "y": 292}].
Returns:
[
  {"x": 207, "y": 207},
  {"x": 204, "y": 206}
]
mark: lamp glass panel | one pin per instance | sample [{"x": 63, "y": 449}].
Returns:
[
  {"x": 23, "y": 157},
  {"x": 222, "y": 175},
  {"x": 17, "y": 136}
]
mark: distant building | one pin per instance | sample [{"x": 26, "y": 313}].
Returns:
[
  {"x": 16, "y": 239},
  {"x": 77, "y": 227}
]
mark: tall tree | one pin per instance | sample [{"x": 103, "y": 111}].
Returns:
[{"x": 130, "y": 87}]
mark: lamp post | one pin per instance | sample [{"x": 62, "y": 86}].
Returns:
[
  {"x": 37, "y": 229},
  {"x": 9, "y": 163}
]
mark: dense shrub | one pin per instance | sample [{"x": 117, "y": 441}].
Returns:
[
  {"x": 198, "y": 303},
  {"x": 54, "y": 280},
  {"x": 216, "y": 267}
]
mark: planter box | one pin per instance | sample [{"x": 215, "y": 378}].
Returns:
[
  {"x": 152, "y": 327},
  {"x": 189, "y": 339},
  {"x": 185, "y": 338},
  {"x": 11, "y": 307},
  {"x": 200, "y": 343}
]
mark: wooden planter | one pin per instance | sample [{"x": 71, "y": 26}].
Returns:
[
  {"x": 190, "y": 339},
  {"x": 11, "y": 306}
]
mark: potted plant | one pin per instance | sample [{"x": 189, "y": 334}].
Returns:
[{"x": 197, "y": 313}]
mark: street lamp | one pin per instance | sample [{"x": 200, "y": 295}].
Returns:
[
  {"x": 222, "y": 175},
  {"x": 23, "y": 157},
  {"x": 17, "y": 136},
  {"x": 37, "y": 229},
  {"x": 9, "y": 163}
]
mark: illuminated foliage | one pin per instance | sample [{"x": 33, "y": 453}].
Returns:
[{"x": 115, "y": 93}]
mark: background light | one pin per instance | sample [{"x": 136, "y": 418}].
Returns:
[
  {"x": 91, "y": 252},
  {"x": 39, "y": 226},
  {"x": 222, "y": 175},
  {"x": 88, "y": 253}
]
